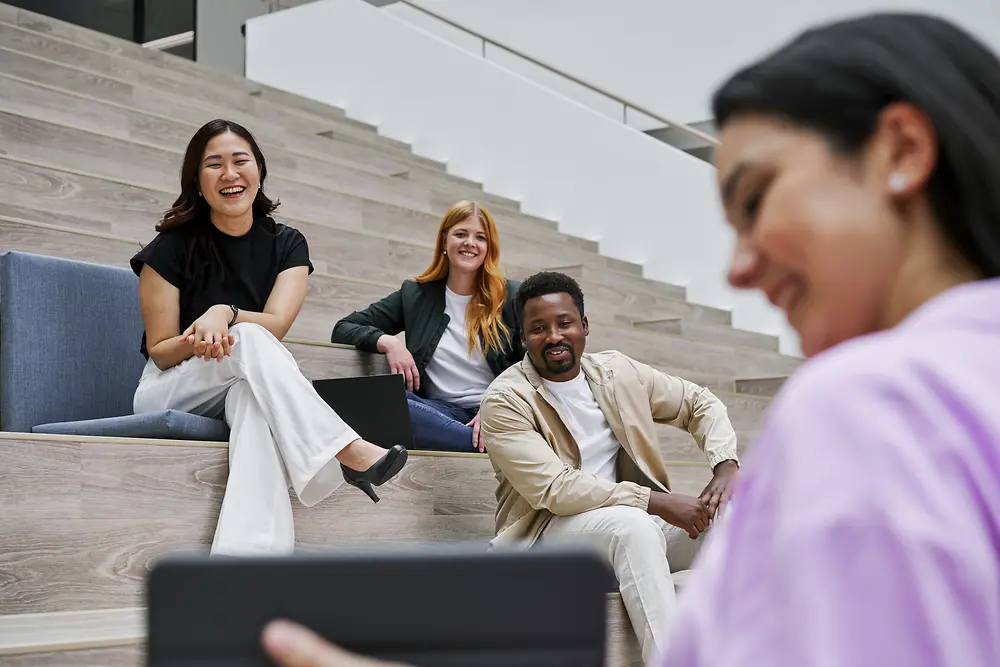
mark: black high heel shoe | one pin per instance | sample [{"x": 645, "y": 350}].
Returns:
[{"x": 379, "y": 473}]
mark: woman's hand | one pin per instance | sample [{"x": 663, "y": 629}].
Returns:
[
  {"x": 476, "y": 444},
  {"x": 400, "y": 360},
  {"x": 209, "y": 334}
]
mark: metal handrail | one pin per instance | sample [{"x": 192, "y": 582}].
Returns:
[{"x": 703, "y": 136}]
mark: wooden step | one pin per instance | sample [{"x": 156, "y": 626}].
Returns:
[
  {"x": 115, "y": 656},
  {"x": 626, "y": 282},
  {"x": 60, "y": 47},
  {"x": 87, "y": 515},
  {"x": 768, "y": 386},
  {"x": 714, "y": 334},
  {"x": 361, "y": 256},
  {"x": 68, "y": 199},
  {"x": 55, "y": 94},
  {"x": 30, "y": 66},
  {"x": 71, "y": 631},
  {"x": 331, "y": 297},
  {"x": 54, "y": 51},
  {"x": 310, "y": 197},
  {"x": 175, "y": 93},
  {"x": 116, "y": 638},
  {"x": 174, "y": 66}
]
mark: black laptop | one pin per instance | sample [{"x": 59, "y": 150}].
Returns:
[{"x": 373, "y": 405}]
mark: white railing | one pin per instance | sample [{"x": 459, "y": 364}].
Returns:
[{"x": 641, "y": 199}]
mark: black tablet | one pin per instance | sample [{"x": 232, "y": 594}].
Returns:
[{"x": 431, "y": 607}]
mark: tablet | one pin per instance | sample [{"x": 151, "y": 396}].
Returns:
[{"x": 431, "y": 607}]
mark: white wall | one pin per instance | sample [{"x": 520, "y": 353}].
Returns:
[
  {"x": 642, "y": 200},
  {"x": 668, "y": 55},
  {"x": 219, "y": 42}
]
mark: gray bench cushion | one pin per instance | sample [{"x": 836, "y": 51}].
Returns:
[
  {"x": 69, "y": 351},
  {"x": 170, "y": 424}
]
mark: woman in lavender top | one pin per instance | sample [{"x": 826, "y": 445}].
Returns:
[{"x": 860, "y": 169}]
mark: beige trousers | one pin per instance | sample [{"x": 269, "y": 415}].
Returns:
[{"x": 643, "y": 550}]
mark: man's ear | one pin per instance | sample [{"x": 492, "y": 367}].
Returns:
[{"x": 586, "y": 326}]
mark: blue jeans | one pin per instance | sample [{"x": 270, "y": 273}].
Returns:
[{"x": 440, "y": 425}]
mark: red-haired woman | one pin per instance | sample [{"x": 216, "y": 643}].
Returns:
[{"x": 462, "y": 330}]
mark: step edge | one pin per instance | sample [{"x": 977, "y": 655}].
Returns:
[{"x": 110, "y": 640}]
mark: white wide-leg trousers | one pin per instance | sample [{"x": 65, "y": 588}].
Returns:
[
  {"x": 282, "y": 433},
  {"x": 643, "y": 550}
]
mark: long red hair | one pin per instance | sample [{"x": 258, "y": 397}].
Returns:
[{"x": 484, "y": 317}]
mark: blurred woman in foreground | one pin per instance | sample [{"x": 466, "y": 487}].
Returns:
[{"x": 860, "y": 167}]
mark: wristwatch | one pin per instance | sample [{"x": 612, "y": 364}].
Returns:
[{"x": 236, "y": 313}]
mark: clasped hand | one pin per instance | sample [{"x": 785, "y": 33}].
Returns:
[{"x": 209, "y": 334}]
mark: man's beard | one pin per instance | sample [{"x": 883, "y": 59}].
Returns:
[{"x": 557, "y": 366}]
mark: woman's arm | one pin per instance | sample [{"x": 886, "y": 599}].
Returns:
[
  {"x": 159, "y": 303},
  {"x": 283, "y": 303},
  {"x": 209, "y": 335},
  {"x": 364, "y": 328}
]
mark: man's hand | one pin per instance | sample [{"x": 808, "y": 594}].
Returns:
[
  {"x": 685, "y": 512},
  {"x": 476, "y": 442},
  {"x": 716, "y": 494},
  {"x": 291, "y": 645}
]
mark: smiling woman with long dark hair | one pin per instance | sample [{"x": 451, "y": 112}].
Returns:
[{"x": 219, "y": 287}]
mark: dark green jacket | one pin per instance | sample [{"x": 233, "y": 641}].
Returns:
[{"x": 418, "y": 309}]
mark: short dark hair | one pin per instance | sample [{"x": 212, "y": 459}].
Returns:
[
  {"x": 549, "y": 282},
  {"x": 836, "y": 79}
]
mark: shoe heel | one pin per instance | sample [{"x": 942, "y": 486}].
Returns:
[{"x": 369, "y": 489}]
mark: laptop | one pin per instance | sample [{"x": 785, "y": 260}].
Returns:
[
  {"x": 423, "y": 605},
  {"x": 373, "y": 405}
]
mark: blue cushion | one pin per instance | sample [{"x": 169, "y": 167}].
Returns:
[
  {"x": 171, "y": 424},
  {"x": 69, "y": 340}
]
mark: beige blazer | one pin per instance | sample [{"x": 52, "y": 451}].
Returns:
[{"x": 537, "y": 461}]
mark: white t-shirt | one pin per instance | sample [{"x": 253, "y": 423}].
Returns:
[
  {"x": 597, "y": 442},
  {"x": 453, "y": 374}
]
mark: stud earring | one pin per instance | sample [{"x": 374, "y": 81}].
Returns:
[{"x": 897, "y": 182}]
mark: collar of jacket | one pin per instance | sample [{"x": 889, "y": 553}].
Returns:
[
  {"x": 596, "y": 373},
  {"x": 600, "y": 377}
]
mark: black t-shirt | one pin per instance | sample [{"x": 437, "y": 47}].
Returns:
[{"x": 242, "y": 272}]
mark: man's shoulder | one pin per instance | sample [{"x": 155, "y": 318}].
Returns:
[
  {"x": 609, "y": 359},
  {"x": 512, "y": 384}
]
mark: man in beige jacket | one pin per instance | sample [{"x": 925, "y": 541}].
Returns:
[{"x": 572, "y": 439}]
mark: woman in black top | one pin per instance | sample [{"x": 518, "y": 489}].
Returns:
[
  {"x": 462, "y": 330},
  {"x": 219, "y": 287}
]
